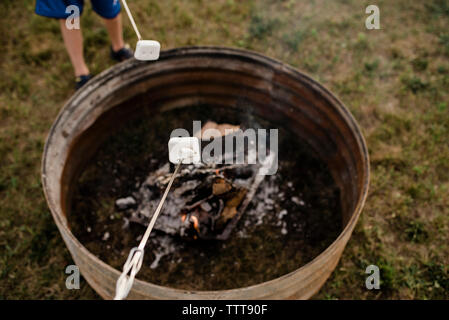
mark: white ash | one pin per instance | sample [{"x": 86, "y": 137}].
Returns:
[
  {"x": 282, "y": 213},
  {"x": 242, "y": 234},
  {"x": 244, "y": 183},
  {"x": 165, "y": 246},
  {"x": 145, "y": 200},
  {"x": 169, "y": 220},
  {"x": 125, "y": 203},
  {"x": 125, "y": 223},
  {"x": 298, "y": 201},
  {"x": 106, "y": 236},
  {"x": 181, "y": 196},
  {"x": 264, "y": 201},
  {"x": 206, "y": 206}
]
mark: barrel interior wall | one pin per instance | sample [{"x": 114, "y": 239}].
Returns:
[{"x": 86, "y": 143}]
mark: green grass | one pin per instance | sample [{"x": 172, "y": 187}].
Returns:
[{"x": 395, "y": 81}]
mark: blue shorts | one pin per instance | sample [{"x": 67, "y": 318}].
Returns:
[{"x": 58, "y": 8}]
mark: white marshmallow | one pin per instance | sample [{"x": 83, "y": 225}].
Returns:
[
  {"x": 185, "y": 149},
  {"x": 147, "y": 50}
]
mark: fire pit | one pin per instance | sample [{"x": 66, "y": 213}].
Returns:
[{"x": 223, "y": 81}]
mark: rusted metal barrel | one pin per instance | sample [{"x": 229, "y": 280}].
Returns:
[{"x": 212, "y": 76}]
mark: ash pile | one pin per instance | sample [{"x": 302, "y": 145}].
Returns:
[{"x": 206, "y": 200}]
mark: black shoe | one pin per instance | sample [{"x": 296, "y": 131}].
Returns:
[
  {"x": 82, "y": 80},
  {"x": 123, "y": 54}
]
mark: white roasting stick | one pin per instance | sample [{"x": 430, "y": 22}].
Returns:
[
  {"x": 145, "y": 49},
  {"x": 181, "y": 150}
]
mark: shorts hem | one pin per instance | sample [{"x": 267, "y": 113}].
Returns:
[
  {"x": 51, "y": 16},
  {"x": 108, "y": 16},
  {"x": 54, "y": 16}
]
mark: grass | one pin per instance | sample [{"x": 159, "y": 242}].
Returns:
[{"x": 395, "y": 81}]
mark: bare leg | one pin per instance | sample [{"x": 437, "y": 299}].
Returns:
[
  {"x": 73, "y": 40},
  {"x": 115, "y": 30}
]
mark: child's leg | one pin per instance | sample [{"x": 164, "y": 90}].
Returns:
[
  {"x": 115, "y": 30},
  {"x": 109, "y": 10},
  {"x": 73, "y": 40}
]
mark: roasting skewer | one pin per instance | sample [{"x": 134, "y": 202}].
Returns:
[
  {"x": 181, "y": 150},
  {"x": 145, "y": 49}
]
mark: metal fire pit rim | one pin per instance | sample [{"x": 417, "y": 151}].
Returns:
[{"x": 213, "y": 51}]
